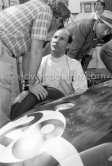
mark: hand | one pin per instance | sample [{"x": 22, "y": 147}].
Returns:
[
  {"x": 20, "y": 97},
  {"x": 39, "y": 91}
]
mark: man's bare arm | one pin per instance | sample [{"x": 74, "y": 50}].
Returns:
[
  {"x": 35, "y": 59},
  {"x": 25, "y": 64}
]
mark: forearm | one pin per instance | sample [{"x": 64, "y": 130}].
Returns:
[
  {"x": 25, "y": 63},
  {"x": 35, "y": 60},
  {"x": 34, "y": 64}
]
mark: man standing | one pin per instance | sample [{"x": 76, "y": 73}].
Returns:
[
  {"x": 23, "y": 29},
  {"x": 83, "y": 32}
]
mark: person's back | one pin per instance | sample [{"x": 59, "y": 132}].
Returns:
[{"x": 82, "y": 32}]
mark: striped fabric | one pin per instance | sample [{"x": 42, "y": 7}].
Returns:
[{"x": 22, "y": 23}]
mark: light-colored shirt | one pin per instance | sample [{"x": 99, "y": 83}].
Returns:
[
  {"x": 95, "y": 15},
  {"x": 22, "y": 23},
  {"x": 64, "y": 74}
]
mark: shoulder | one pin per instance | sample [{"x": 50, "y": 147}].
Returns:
[
  {"x": 73, "y": 62},
  {"x": 41, "y": 6},
  {"x": 46, "y": 12},
  {"x": 86, "y": 26},
  {"x": 75, "y": 66},
  {"x": 43, "y": 62},
  {"x": 46, "y": 8},
  {"x": 45, "y": 58}
]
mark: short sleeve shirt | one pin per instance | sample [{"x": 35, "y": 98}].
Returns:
[{"x": 22, "y": 23}]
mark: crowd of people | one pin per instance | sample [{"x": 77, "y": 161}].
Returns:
[{"x": 24, "y": 30}]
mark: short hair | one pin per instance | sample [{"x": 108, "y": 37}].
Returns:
[
  {"x": 59, "y": 9},
  {"x": 102, "y": 2}
]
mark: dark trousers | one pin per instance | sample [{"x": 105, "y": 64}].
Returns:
[
  {"x": 30, "y": 101},
  {"x": 106, "y": 55}
]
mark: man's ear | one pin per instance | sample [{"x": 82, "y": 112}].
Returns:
[
  {"x": 68, "y": 46},
  {"x": 60, "y": 21}
]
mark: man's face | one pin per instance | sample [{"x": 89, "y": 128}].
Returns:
[
  {"x": 101, "y": 30},
  {"x": 98, "y": 6},
  {"x": 59, "y": 42}
]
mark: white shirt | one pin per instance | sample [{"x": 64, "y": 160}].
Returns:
[
  {"x": 94, "y": 16},
  {"x": 64, "y": 74}
]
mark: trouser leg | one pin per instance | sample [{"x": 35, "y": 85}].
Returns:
[
  {"x": 4, "y": 106},
  {"x": 6, "y": 76},
  {"x": 98, "y": 156},
  {"x": 30, "y": 101},
  {"x": 5, "y": 93},
  {"x": 106, "y": 55}
]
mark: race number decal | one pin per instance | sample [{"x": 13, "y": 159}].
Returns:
[
  {"x": 38, "y": 135},
  {"x": 14, "y": 135}
]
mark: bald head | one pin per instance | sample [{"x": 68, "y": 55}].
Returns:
[{"x": 59, "y": 42}]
